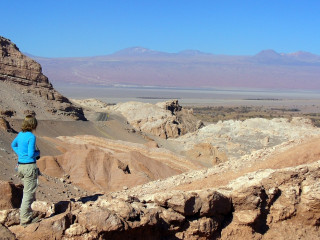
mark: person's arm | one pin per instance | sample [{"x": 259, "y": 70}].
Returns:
[
  {"x": 14, "y": 145},
  {"x": 32, "y": 148}
]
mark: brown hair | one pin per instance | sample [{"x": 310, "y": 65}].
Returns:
[{"x": 29, "y": 123}]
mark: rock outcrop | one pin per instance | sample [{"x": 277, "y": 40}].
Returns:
[
  {"x": 25, "y": 75},
  {"x": 272, "y": 204},
  {"x": 165, "y": 120}
]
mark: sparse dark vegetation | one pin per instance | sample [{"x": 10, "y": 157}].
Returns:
[
  {"x": 220, "y": 113},
  {"x": 314, "y": 117}
]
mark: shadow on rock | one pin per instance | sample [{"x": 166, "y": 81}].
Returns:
[{"x": 92, "y": 198}]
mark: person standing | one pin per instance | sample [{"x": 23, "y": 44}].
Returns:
[{"x": 24, "y": 145}]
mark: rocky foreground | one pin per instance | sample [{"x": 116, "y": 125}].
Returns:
[{"x": 266, "y": 204}]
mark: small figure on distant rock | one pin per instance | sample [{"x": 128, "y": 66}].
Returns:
[{"x": 24, "y": 145}]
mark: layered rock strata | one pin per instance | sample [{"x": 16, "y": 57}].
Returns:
[{"x": 26, "y": 74}]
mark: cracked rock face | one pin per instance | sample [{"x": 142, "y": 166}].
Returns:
[{"x": 20, "y": 74}]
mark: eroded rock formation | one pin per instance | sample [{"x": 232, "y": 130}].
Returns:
[
  {"x": 102, "y": 165},
  {"x": 166, "y": 119},
  {"x": 26, "y": 76},
  {"x": 243, "y": 139}
]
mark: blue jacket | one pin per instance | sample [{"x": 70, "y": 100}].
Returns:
[{"x": 24, "y": 146}]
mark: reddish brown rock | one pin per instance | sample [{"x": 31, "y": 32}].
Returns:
[
  {"x": 100, "y": 220},
  {"x": 51, "y": 228},
  {"x": 187, "y": 204},
  {"x": 11, "y": 195}
]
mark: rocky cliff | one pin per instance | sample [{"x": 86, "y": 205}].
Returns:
[{"x": 22, "y": 77}]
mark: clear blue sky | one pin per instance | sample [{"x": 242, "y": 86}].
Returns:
[{"x": 65, "y": 28}]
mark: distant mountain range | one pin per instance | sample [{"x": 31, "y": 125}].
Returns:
[{"x": 139, "y": 66}]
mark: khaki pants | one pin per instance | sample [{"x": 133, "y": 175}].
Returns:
[{"x": 29, "y": 175}]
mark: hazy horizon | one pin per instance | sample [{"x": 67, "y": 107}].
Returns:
[
  {"x": 143, "y": 67},
  {"x": 307, "y": 101},
  {"x": 183, "y": 51}
]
